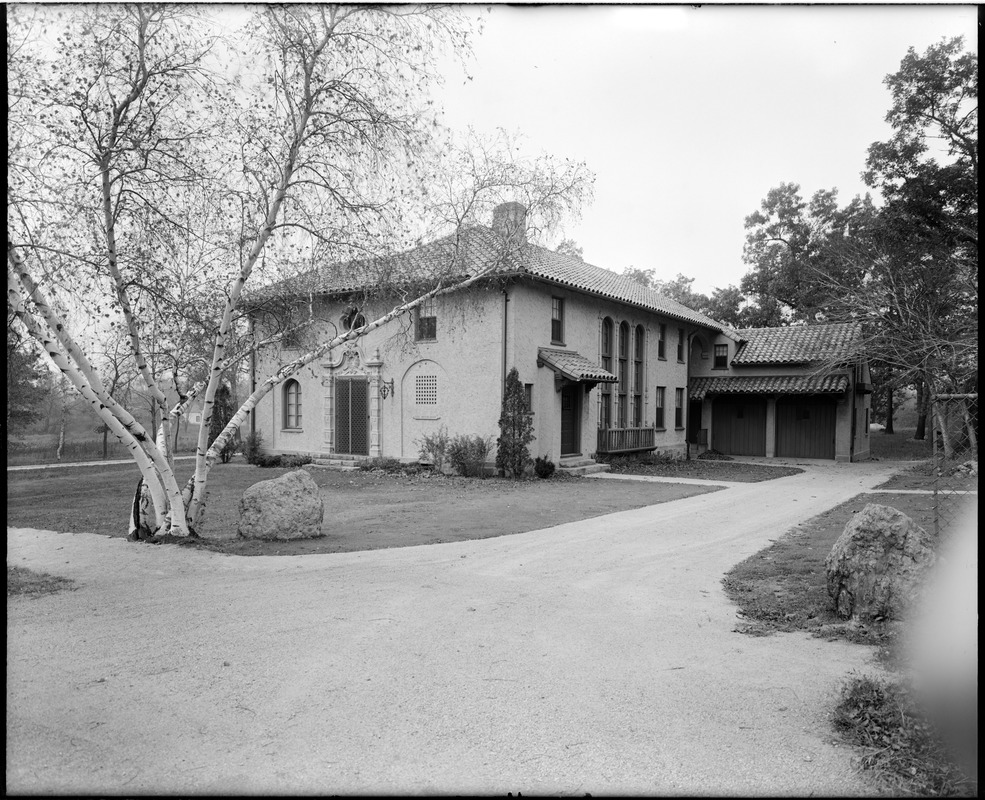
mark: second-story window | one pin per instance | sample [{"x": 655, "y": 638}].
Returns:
[
  {"x": 605, "y": 396},
  {"x": 426, "y": 322},
  {"x": 680, "y": 344},
  {"x": 662, "y": 342},
  {"x": 721, "y": 356},
  {"x": 638, "y": 346},
  {"x": 557, "y": 320},
  {"x": 623, "y": 374}
]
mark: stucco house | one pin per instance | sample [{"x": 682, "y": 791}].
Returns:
[{"x": 609, "y": 366}]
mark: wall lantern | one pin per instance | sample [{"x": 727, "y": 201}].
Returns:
[{"x": 386, "y": 388}]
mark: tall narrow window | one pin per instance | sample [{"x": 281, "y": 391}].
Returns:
[
  {"x": 659, "y": 403},
  {"x": 605, "y": 394},
  {"x": 557, "y": 320},
  {"x": 678, "y": 408},
  {"x": 721, "y": 356},
  {"x": 528, "y": 397},
  {"x": 292, "y": 404},
  {"x": 639, "y": 342},
  {"x": 662, "y": 342},
  {"x": 426, "y": 327},
  {"x": 623, "y": 374},
  {"x": 680, "y": 345}
]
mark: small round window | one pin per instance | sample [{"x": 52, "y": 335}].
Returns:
[{"x": 352, "y": 319}]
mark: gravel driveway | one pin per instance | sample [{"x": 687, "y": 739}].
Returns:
[{"x": 597, "y": 656}]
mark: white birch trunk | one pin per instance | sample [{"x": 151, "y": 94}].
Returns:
[{"x": 21, "y": 278}]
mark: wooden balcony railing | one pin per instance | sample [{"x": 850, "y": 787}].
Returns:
[{"x": 625, "y": 440}]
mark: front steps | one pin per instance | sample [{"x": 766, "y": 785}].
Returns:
[
  {"x": 578, "y": 465},
  {"x": 343, "y": 464}
]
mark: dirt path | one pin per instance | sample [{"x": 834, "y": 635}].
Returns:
[{"x": 594, "y": 657}]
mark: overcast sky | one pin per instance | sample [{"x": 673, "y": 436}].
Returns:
[{"x": 688, "y": 116}]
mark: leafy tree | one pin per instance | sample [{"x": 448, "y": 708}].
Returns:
[
  {"x": 569, "y": 247},
  {"x": 515, "y": 429},
  {"x": 28, "y": 382},
  {"x": 918, "y": 267}
]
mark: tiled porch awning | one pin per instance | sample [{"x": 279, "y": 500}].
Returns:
[
  {"x": 769, "y": 384},
  {"x": 573, "y": 366}
]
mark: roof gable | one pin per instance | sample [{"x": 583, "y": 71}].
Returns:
[{"x": 801, "y": 344}]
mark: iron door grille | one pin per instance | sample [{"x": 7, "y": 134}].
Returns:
[{"x": 352, "y": 416}]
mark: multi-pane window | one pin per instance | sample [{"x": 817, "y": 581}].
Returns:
[
  {"x": 721, "y": 356},
  {"x": 623, "y": 374},
  {"x": 638, "y": 345},
  {"x": 680, "y": 344},
  {"x": 426, "y": 322},
  {"x": 678, "y": 408},
  {"x": 557, "y": 320},
  {"x": 528, "y": 397},
  {"x": 662, "y": 342},
  {"x": 658, "y": 401},
  {"x": 605, "y": 407},
  {"x": 292, "y": 404}
]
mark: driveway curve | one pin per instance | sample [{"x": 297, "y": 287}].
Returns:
[{"x": 594, "y": 657}]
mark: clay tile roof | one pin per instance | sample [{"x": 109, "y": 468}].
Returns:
[
  {"x": 573, "y": 366},
  {"x": 771, "y": 384},
  {"x": 570, "y": 271},
  {"x": 479, "y": 248},
  {"x": 799, "y": 344}
]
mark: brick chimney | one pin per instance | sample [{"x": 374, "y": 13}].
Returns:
[{"x": 509, "y": 218}]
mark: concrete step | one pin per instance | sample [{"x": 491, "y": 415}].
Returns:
[
  {"x": 334, "y": 463},
  {"x": 583, "y": 466}
]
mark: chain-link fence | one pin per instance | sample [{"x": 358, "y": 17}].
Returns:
[{"x": 955, "y": 456}]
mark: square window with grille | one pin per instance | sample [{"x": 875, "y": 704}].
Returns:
[{"x": 426, "y": 390}]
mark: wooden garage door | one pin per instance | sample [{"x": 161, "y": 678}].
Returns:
[
  {"x": 805, "y": 427},
  {"x": 738, "y": 425}
]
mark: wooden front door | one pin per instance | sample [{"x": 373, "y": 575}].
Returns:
[
  {"x": 570, "y": 412},
  {"x": 352, "y": 416},
  {"x": 693, "y": 420},
  {"x": 805, "y": 427}
]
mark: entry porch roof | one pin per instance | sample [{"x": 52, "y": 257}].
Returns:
[{"x": 573, "y": 366}]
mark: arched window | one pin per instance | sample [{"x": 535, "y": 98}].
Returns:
[
  {"x": 292, "y": 404},
  {"x": 639, "y": 346},
  {"x": 605, "y": 410},
  {"x": 623, "y": 374}
]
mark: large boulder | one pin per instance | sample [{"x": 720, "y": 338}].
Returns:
[
  {"x": 288, "y": 507},
  {"x": 878, "y": 566}
]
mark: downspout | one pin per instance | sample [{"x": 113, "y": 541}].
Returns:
[
  {"x": 502, "y": 383},
  {"x": 687, "y": 393},
  {"x": 253, "y": 378}
]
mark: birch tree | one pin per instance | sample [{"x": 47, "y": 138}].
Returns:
[{"x": 147, "y": 143}]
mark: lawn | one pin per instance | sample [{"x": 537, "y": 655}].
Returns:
[
  {"x": 363, "y": 510},
  {"x": 900, "y": 446}
]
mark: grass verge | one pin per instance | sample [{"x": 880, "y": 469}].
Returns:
[
  {"x": 899, "y": 748},
  {"x": 23, "y": 581},
  {"x": 784, "y": 588}
]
